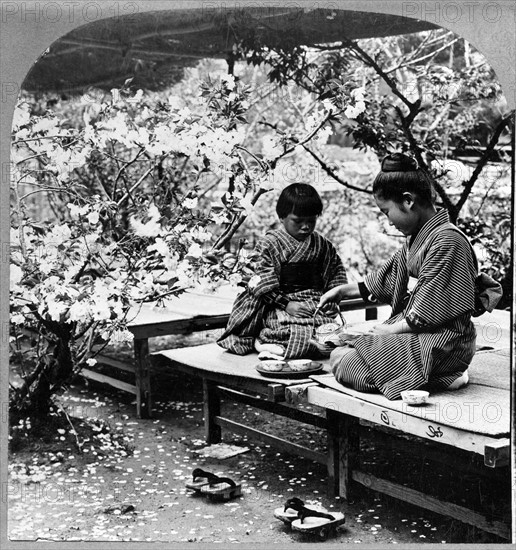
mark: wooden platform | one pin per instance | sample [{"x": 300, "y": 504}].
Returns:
[
  {"x": 481, "y": 408},
  {"x": 474, "y": 419},
  {"x": 185, "y": 314},
  {"x": 210, "y": 360}
]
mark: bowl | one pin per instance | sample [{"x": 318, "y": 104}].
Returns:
[
  {"x": 300, "y": 364},
  {"x": 273, "y": 366},
  {"x": 415, "y": 397}
]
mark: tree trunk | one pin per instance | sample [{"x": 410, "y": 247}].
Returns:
[{"x": 53, "y": 370}]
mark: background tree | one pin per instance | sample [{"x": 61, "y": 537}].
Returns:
[
  {"x": 144, "y": 192},
  {"x": 429, "y": 94}
]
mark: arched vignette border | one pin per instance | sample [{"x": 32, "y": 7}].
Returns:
[{"x": 27, "y": 28}]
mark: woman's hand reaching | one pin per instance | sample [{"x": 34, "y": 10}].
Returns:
[
  {"x": 332, "y": 296},
  {"x": 341, "y": 292}
]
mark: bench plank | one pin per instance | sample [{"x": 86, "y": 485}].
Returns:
[
  {"x": 297, "y": 394},
  {"x": 211, "y": 358},
  {"x": 277, "y": 442},
  {"x": 475, "y": 408},
  {"x": 103, "y": 379},
  {"x": 397, "y": 419},
  {"x": 264, "y": 387},
  {"x": 306, "y": 417},
  {"x": 491, "y": 369},
  {"x": 430, "y": 503}
]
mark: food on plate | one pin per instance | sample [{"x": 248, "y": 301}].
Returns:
[
  {"x": 301, "y": 364},
  {"x": 273, "y": 366}
]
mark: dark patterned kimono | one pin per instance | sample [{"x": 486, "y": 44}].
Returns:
[
  {"x": 287, "y": 270},
  {"x": 440, "y": 261}
]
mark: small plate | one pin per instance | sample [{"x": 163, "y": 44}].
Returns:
[{"x": 287, "y": 372}]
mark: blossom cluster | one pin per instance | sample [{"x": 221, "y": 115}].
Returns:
[
  {"x": 80, "y": 271},
  {"x": 359, "y": 106}
]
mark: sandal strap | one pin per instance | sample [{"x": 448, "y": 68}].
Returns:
[
  {"x": 216, "y": 480},
  {"x": 293, "y": 503},
  {"x": 307, "y": 512},
  {"x": 204, "y": 474}
]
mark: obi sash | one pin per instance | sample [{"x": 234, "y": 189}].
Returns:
[{"x": 297, "y": 276}]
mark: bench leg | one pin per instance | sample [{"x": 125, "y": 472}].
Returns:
[
  {"x": 212, "y": 432},
  {"x": 142, "y": 374},
  {"x": 349, "y": 447},
  {"x": 333, "y": 420},
  {"x": 371, "y": 314}
]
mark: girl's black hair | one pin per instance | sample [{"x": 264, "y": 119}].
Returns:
[
  {"x": 400, "y": 174},
  {"x": 299, "y": 199}
]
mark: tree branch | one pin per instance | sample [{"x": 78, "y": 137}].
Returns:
[
  {"x": 421, "y": 161},
  {"x": 391, "y": 83},
  {"x": 129, "y": 191},
  {"x": 419, "y": 59},
  {"x": 483, "y": 161},
  {"x": 333, "y": 174},
  {"x": 405, "y": 124},
  {"x": 124, "y": 168},
  {"x": 236, "y": 223}
]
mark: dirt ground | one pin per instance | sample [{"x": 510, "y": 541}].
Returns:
[{"x": 128, "y": 482}]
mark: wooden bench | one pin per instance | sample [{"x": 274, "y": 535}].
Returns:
[
  {"x": 475, "y": 419},
  {"x": 188, "y": 313},
  {"x": 470, "y": 422},
  {"x": 236, "y": 378}
]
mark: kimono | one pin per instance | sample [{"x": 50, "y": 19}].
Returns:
[
  {"x": 430, "y": 284},
  {"x": 287, "y": 270}
]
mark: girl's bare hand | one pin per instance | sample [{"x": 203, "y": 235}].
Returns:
[
  {"x": 380, "y": 329},
  {"x": 399, "y": 327}
]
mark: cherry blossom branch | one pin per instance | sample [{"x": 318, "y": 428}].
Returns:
[
  {"x": 27, "y": 140},
  {"x": 124, "y": 168},
  {"x": 294, "y": 140},
  {"x": 372, "y": 63},
  {"x": 334, "y": 174},
  {"x": 56, "y": 189},
  {"x": 129, "y": 191},
  {"x": 236, "y": 223},
  {"x": 262, "y": 164},
  {"x": 423, "y": 58},
  {"x": 36, "y": 155}
]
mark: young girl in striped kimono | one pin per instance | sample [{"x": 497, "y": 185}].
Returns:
[
  {"x": 295, "y": 266},
  {"x": 429, "y": 339}
]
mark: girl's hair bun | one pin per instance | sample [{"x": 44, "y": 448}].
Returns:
[{"x": 399, "y": 162}]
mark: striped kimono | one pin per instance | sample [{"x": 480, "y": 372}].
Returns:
[
  {"x": 439, "y": 264},
  {"x": 259, "y": 311}
]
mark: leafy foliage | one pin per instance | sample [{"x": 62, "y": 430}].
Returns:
[
  {"x": 424, "y": 94},
  {"x": 145, "y": 195}
]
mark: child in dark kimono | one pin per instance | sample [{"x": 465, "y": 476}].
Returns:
[
  {"x": 429, "y": 339},
  {"x": 296, "y": 265}
]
